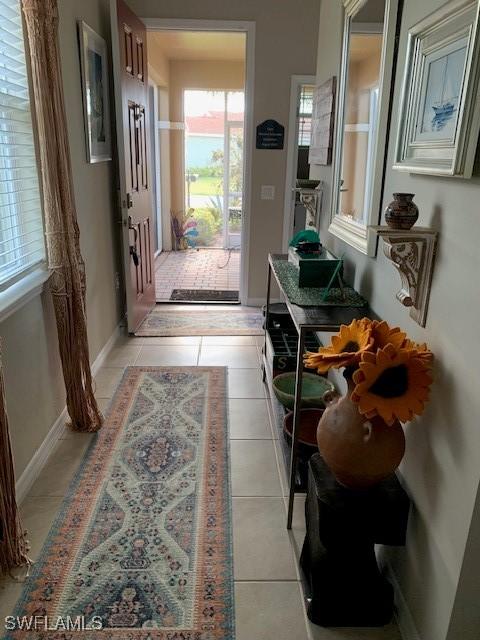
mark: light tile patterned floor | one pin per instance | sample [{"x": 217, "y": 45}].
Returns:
[
  {"x": 216, "y": 269},
  {"x": 268, "y": 595}
]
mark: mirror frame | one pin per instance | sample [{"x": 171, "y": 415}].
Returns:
[{"x": 353, "y": 233}]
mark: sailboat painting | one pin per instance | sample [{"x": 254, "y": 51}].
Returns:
[
  {"x": 443, "y": 90},
  {"x": 439, "y": 111}
]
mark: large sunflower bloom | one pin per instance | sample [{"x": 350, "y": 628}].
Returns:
[
  {"x": 391, "y": 384},
  {"x": 383, "y": 334},
  {"x": 345, "y": 349}
]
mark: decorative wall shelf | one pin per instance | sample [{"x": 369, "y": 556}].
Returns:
[
  {"x": 311, "y": 199},
  {"x": 412, "y": 252}
]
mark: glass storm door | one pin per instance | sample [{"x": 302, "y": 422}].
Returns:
[{"x": 233, "y": 185}]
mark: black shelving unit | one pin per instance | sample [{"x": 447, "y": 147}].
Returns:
[{"x": 305, "y": 320}]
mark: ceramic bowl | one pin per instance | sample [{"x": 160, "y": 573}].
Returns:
[
  {"x": 313, "y": 388},
  {"x": 307, "y": 437}
]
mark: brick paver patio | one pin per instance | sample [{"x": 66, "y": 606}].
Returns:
[{"x": 196, "y": 269}]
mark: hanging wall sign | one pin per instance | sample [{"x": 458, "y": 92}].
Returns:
[
  {"x": 323, "y": 123},
  {"x": 270, "y": 135}
]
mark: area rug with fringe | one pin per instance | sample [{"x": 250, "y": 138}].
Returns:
[
  {"x": 142, "y": 546},
  {"x": 202, "y": 322}
]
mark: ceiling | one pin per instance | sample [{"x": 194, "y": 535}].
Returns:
[
  {"x": 199, "y": 45},
  {"x": 372, "y": 11}
]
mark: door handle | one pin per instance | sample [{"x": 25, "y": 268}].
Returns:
[
  {"x": 133, "y": 228},
  {"x": 133, "y": 247}
]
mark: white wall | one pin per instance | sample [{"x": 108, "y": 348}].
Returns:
[
  {"x": 442, "y": 461},
  {"x": 285, "y": 44}
]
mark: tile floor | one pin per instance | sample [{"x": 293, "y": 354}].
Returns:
[
  {"x": 268, "y": 596},
  {"x": 196, "y": 269}
]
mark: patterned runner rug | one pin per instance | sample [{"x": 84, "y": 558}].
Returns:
[
  {"x": 142, "y": 545},
  {"x": 202, "y": 322}
]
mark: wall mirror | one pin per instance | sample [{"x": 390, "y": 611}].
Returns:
[{"x": 362, "y": 118}]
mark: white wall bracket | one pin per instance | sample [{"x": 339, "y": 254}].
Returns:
[
  {"x": 311, "y": 199},
  {"x": 412, "y": 252}
]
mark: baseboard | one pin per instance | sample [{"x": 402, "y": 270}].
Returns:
[
  {"x": 41, "y": 455},
  {"x": 103, "y": 354},
  {"x": 403, "y": 616},
  {"x": 259, "y": 302}
]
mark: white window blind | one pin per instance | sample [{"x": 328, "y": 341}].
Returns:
[
  {"x": 22, "y": 245},
  {"x": 304, "y": 115}
]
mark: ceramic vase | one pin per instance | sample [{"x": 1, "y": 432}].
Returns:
[
  {"x": 359, "y": 451},
  {"x": 402, "y": 212}
]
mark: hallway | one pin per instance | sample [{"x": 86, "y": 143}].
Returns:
[
  {"x": 268, "y": 594},
  {"x": 212, "y": 269}
]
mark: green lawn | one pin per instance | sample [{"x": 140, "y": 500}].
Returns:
[{"x": 206, "y": 186}]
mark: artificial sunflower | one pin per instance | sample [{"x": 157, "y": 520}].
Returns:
[
  {"x": 383, "y": 334},
  {"x": 393, "y": 384},
  {"x": 423, "y": 352},
  {"x": 345, "y": 349}
]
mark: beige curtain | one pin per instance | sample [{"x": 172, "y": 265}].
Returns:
[
  {"x": 67, "y": 283},
  {"x": 13, "y": 545}
]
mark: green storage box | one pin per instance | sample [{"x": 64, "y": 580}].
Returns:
[{"x": 315, "y": 270}]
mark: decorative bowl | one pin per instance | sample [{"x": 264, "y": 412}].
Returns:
[
  {"x": 307, "y": 438},
  {"x": 313, "y": 388}
]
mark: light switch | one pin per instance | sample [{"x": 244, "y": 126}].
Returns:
[{"x": 267, "y": 192}]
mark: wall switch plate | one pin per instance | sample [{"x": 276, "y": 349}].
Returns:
[{"x": 267, "y": 192}]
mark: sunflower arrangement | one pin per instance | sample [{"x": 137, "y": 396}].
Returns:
[{"x": 391, "y": 374}]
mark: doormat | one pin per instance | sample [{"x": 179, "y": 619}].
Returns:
[
  {"x": 142, "y": 546},
  {"x": 204, "y": 295},
  {"x": 235, "y": 321}
]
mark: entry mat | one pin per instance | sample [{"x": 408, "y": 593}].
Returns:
[
  {"x": 204, "y": 295},
  {"x": 214, "y": 321}
]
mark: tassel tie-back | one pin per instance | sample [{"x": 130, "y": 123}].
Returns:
[
  {"x": 67, "y": 283},
  {"x": 13, "y": 543}
]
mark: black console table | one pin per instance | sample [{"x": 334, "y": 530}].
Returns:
[
  {"x": 344, "y": 585},
  {"x": 305, "y": 319}
]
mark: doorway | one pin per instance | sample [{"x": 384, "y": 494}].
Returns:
[
  {"x": 204, "y": 72},
  {"x": 214, "y": 133}
]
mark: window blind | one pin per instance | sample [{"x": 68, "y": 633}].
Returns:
[
  {"x": 305, "y": 115},
  {"x": 22, "y": 245}
]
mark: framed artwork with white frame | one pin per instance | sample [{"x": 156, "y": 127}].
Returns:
[
  {"x": 96, "y": 109},
  {"x": 440, "y": 103},
  {"x": 364, "y": 104}
]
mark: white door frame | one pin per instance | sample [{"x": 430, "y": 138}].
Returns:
[
  {"x": 292, "y": 156},
  {"x": 155, "y": 149},
  {"x": 247, "y": 27}
]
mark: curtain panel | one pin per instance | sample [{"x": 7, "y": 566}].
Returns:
[
  {"x": 13, "y": 545},
  {"x": 67, "y": 283}
]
